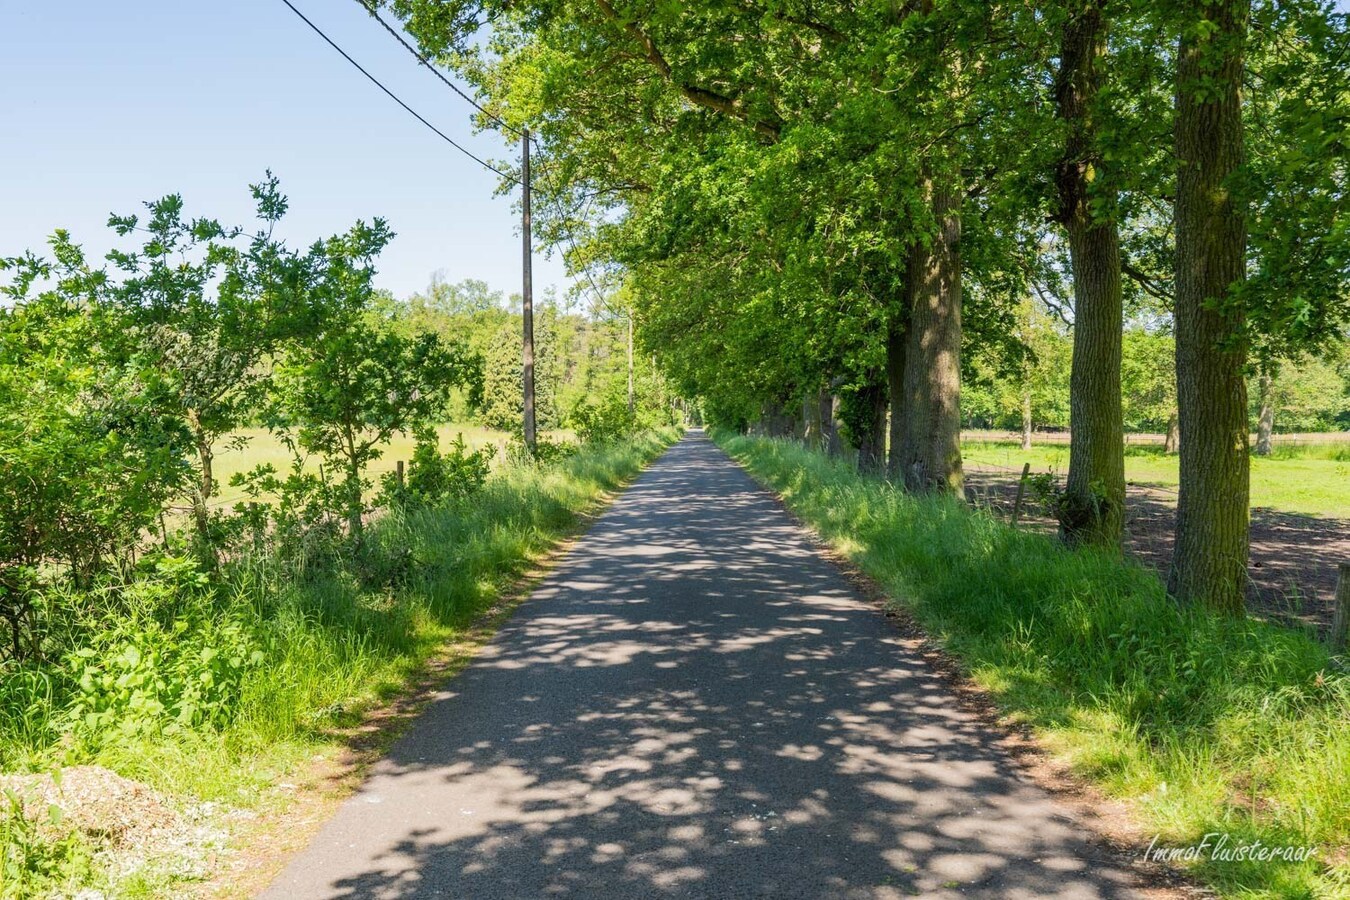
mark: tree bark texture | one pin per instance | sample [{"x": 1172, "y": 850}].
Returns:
[
  {"x": 834, "y": 443},
  {"x": 895, "y": 388},
  {"x": 1209, "y": 560},
  {"x": 930, "y": 455},
  {"x": 1092, "y": 509},
  {"x": 811, "y": 414},
  {"x": 872, "y": 439},
  {"x": 1265, "y": 421},
  {"x": 205, "y": 490}
]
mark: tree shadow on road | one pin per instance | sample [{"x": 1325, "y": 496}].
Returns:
[{"x": 695, "y": 704}]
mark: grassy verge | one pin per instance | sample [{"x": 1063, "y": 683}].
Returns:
[
  {"x": 1204, "y": 725},
  {"x": 309, "y": 653}
]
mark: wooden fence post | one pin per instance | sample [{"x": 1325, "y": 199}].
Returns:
[
  {"x": 398, "y": 469},
  {"x": 1021, "y": 489},
  {"x": 1340, "y": 616}
]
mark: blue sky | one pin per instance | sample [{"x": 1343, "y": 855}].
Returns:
[{"x": 109, "y": 104}]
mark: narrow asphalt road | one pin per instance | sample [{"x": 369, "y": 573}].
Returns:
[{"x": 696, "y": 704}]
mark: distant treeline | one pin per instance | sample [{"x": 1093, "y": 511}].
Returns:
[{"x": 1030, "y": 386}]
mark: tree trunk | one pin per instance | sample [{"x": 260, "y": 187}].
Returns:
[
  {"x": 833, "y": 444},
  {"x": 779, "y": 421},
  {"x": 930, "y": 456},
  {"x": 1026, "y": 420},
  {"x": 895, "y": 388},
  {"x": 814, "y": 421},
  {"x": 354, "y": 523},
  {"x": 1172, "y": 440},
  {"x": 872, "y": 442},
  {"x": 352, "y": 489},
  {"x": 1092, "y": 508},
  {"x": 204, "y": 491},
  {"x": 1209, "y": 560},
  {"x": 1265, "y": 423}
]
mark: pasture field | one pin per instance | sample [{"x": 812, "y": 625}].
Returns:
[
  {"x": 259, "y": 446},
  {"x": 1308, "y": 474},
  {"x": 1310, "y": 478}
]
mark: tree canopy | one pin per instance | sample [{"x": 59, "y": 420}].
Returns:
[{"x": 861, "y": 200}]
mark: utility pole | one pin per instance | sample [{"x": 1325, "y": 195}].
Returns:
[
  {"x": 630, "y": 361},
  {"x": 526, "y": 296}
]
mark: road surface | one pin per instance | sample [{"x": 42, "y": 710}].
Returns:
[{"x": 696, "y": 704}]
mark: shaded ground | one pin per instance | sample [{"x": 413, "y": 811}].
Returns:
[
  {"x": 696, "y": 704},
  {"x": 1293, "y": 557}
]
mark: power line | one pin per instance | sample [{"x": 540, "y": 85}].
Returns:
[
  {"x": 523, "y": 181},
  {"x": 567, "y": 232},
  {"x": 585, "y": 270},
  {"x": 450, "y": 84},
  {"x": 374, "y": 14},
  {"x": 394, "y": 97}
]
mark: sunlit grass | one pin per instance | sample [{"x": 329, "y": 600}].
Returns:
[
  {"x": 1307, "y": 479},
  {"x": 258, "y": 446},
  {"x": 1202, "y": 724}
]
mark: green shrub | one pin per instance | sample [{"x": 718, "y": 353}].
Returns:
[
  {"x": 547, "y": 451},
  {"x": 158, "y": 654},
  {"x": 604, "y": 421},
  {"x": 434, "y": 476},
  {"x": 144, "y": 677},
  {"x": 298, "y": 519},
  {"x": 88, "y": 455}
]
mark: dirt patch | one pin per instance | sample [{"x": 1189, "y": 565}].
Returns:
[
  {"x": 100, "y": 804},
  {"x": 1292, "y": 573},
  {"x": 128, "y": 826}
]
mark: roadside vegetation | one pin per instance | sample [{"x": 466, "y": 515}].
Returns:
[
  {"x": 1202, "y": 722},
  {"x": 878, "y": 225},
  {"x": 209, "y": 564},
  {"x": 211, "y": 691}
]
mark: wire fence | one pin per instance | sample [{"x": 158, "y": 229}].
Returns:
[{"x": 1152, "y": 439}]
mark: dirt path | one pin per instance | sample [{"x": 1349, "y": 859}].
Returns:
[{"x": 695, "y": 703}]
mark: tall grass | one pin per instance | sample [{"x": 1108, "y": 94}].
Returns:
[
  {"x": 1338, "y": 451},
  {"x": 1203, "y": 724},
  {"x": 336, "y": 639}
]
